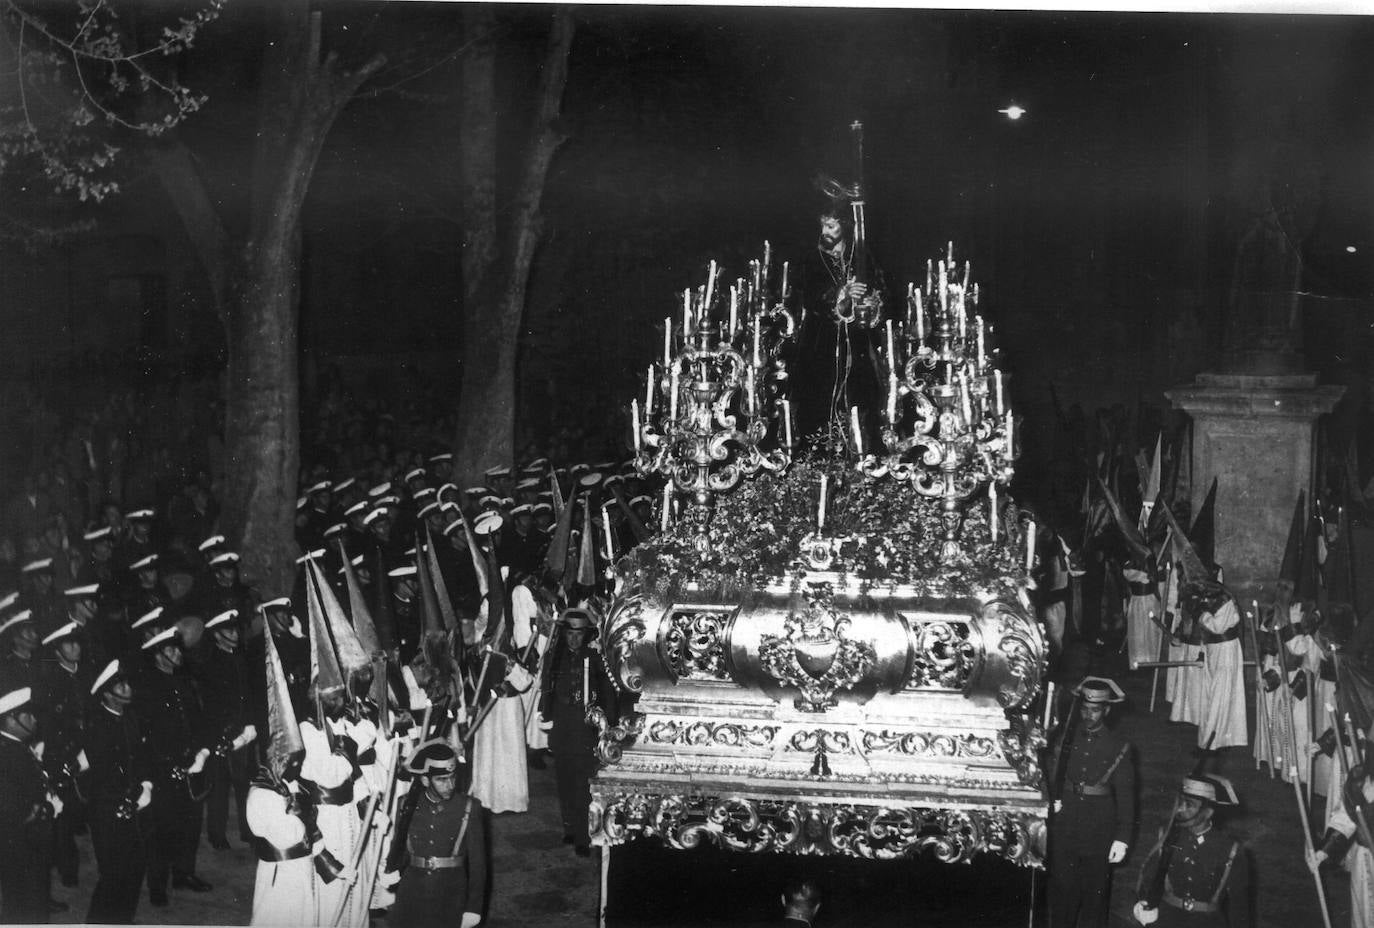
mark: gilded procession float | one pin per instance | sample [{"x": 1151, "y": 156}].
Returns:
[{"x": 831, "y": 646}]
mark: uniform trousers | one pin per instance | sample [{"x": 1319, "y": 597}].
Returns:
[
  {"x": 226, "y": 774},
  {"x": 174, "y": 833},
  {"x": 1078, "y": 880},
  {"x": 64, "y": 854},
  {"x": 573, "y": 773},
  {"x": 121, "y": 858},
  {"x": 23, "y": 879},
  {"x": 430, "y": 898}
]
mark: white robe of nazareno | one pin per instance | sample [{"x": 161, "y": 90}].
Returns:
[
  {"x": 340, "y": 825},
  {"x": 1223, "y": 708},
  {"x": 1360, "y": 862},
  {"x": 1143, "y": 637},
  {"x": 284, "y": 892},
  {"x": 1283, "y": 741}
]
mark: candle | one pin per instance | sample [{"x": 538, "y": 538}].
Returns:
[
  {"x": 710, "y": 288},
  {"x": 783, "y": 292},
  {"x": 910, "y": 302},
  {"x": 944, "y": 297},
  {"x": 751, "y": 392},
  {"x": 820, "y": 510},
  {"x": 982, "y": 344},
  {"x": 734, "y": 311},
  {"x": 891, "y": 347},
  {"x": 667, "y": 507},
  {"x": 667, "y": 340},
  {"x": 586, "y": 681},
  {"x": 892, "y": 398},
  {"x": 787, "y": 422},
  {"x": 929, "y": 282},
  {"x": 997, "y": 380},
  {"x": 1030, "y": 546},
  {"x": 767, "y": 255},
  {"x": 992, "y": 508},
  {"x": 964, "y": 399},
  {"x": 758, "y": 352},
  {"x": 968, "y": 270},
  {"x": 686, "y": 312},
  {"x": 963, "y": 316},
  {"x": 1011, "y": 439},
  {"x": 672, "y": 396},
  {"x": 920, "y": 319},
  {"x": 650, "y": 389},
  {"x": 858, "y": 432},
  {"x": 610, "y": 538},
  {"x": 634, "y": 417},
  {"x": 1049, "y": 705}
]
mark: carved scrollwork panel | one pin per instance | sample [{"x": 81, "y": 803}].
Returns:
[
  {"x": 944, "y": 655},
  {"x": 693, "y": 643}
]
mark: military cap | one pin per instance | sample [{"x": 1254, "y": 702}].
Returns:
[
  {"x": 19, "y": 618},
  {"x": 99, "y": 534},
  {"x": 1210, "y": 787},
  {"x": 211, "y": 542},
  {"x": 144, "y": 563},
  {"x": 37, "y": 566},
  {"x": 221, "y": 619},
  {"x": 227, "y": 559},
  {"x": 148, "y": 617},
  {"x": 15, "y": 699},
  {"x": 111, "y": 672},
  {"x": 65, "y": 631},
  {"x": 434, "y": 757},
  {"x": 1099, "y": 689},
  {"x": 167, "y": 635},
  {"x": 85, "y": 591}
]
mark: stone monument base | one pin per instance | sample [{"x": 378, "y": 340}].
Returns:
[{"x": 1256, "y": 435}]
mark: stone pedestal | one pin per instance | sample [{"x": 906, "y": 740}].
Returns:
[{"x": 1255, "y": 434}]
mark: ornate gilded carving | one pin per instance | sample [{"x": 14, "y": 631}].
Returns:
[
  {"x": 712, "y": 734},
  {"x": 694, "y": 644},
  {"x": 928, "y": 744},
  {"x": 612, "y": 739},
  {"x": 815, "y": 653},
  {"x": 785, "y": 826},
  {"x": 1022, "y": 645},
  {"x": 943, "y": 657},
  {"x": 1022, "y": 744},
  {"x": 808, "y": 741},
  {"x": 624, "y": 630}
]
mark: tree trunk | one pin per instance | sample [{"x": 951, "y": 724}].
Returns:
[
  {"x": 301, "y": 96},
  {"x": 496, "y": 280}
]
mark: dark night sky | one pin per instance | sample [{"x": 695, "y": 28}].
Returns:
[{"x": 1101, "y": 226}]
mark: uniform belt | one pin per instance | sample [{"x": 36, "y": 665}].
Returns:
[
  {"x": 1190, "y": 905},
  {"x": 266, "y": 851},
  {"x": 1089, "y": 789},
  {"x": 1231, "y": 634},
  {"x": 436, "y": 863}
]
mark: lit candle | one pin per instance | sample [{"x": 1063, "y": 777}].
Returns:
[
  {"x": 651, "y": 387},
  {"x": 667, "y": 340},
  {"x": 667, "y": 507},
  {"x": 784, "y": 280},
  {"x": 929, "y": 281},
  {"x": 992, "y": 508},
  {"x": 767, "y": 255},
  {"x": 997, "y": 381},
  {"x": 734, "y": 310},
  {"x": 891, "y": 347},
  {"x": 920, "y": 319},
  {"x": 820, "y": 510},
  {"x": 944, "y": 297},
  {"x": 672, "y": 396},
  {"x": 1030, "y": 546},
  {"x": 686, "y": 312},
  {"x": 586, "y": 681},
  {"x": 787, "y": 422},
  {"x": 634, "y": 417},
  {"x": 751, "y": 392},
  {"x": 710, "y": 288},
  {"x": 758, "y": 351},
  {"x": 982, "y": 344},
  {"x": 1049, "y": 705},
  {"x": 1011, "y": 433},
  {"x": 964, "y": 403},
  {"x": 610, "y": 540},
  {"x": 858, "y": 432},
  {"x": 892, "y": 398}
]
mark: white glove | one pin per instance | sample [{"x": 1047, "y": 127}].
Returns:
[
  {"x": 1057, "y": 805},
  {"x": 1146, "y": 915},
  {"x": 83, "y": 763},
  {"x": 1118, "y": 852},
  {"x": 545, "y": 724},
  {"x": 39, "y": 748},
  {"x": 146, "y": 796},
  {"x": 198, "y": 764},
  {"x": 1314, "y": 859},
  {"x": 471, "y": 920},
  {"x": 56, "y": 803},
  {"x": 390, "y": 878},
  {"x": 381, "y": 821}
]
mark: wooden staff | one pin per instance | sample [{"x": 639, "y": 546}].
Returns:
[
  {"x": 369, "y": 814},
  {"x": 1261, "y": 704},
  {"x": 1356, "y": 801},
  {"x": 1161, "y": 654},
  {"x": 1297, "y": 782}
]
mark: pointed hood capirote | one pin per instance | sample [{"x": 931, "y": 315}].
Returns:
[
  {"x": 284, "y": 742},
  {"x": 348, "y": 648}
]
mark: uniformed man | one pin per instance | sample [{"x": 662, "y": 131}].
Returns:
[
  {"x": 178, "y": 747},
  {"x": 62, "y": 683},
  {"x": 145, "y": 592},
  {"x": 225, "y": 591},
  {"x": 139, "y": 544},
  {"x": 1347, "y": 840},
  {"x": 1197, "y": 875},
  {"x": 38, "y": 593},
  {"x": 99, "y": 566},
  {"x": 445, "y": 843},
  {"x": 221, "y": 669},
  {"x": 119, "y": 787},
  {"x": 1092, "y": 787},
  {"x": 574, "y": 680},
  {"x": 27, "y": 808}
]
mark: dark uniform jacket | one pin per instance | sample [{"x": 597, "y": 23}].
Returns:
[
  {"x": 1099, "y": 792},
  {"x": 25, "y": 832},
  {"x": 227, "y": 692},
  {"x": 62, "y": 717},
  {"x": 438, "y": 895},
  {"x": 1208, "y": 881},
  {"x": 119, "y": 763},
  {"x": 561, "y": 700},
  {"x": 170, "y": 714}
]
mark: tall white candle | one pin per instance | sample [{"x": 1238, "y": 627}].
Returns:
[
  {"x": 982, "y": 344},
  {"x": 820, "y": 509},
  {"x": 710, "y": 288},
  {"x": 1011, "y": 436},
  {"x": 758, "y": 350},
  {"x": 783, "y": 292},
  {"x": 1030, "y": 546},
  {"x": 610, "y": 538},
  {"x": 997, "y": 381},
  {"x": 734, "y": 311},
  {"x": 787, "y": 422},
  {"x": 667, "y": 507},
  {"x": 992, "y": 508},
  {"x": 891, "y": 347},
  {"x": 920, "y": 319},
  {"x": 649, "y": 390},
  {"x": 672, "y": 396},
  {"x": 964, "y": 403},
  {"x": 586, "y": 681},
  {"x": 634, "y": 419},
  {"x": 858, "y": 432},
  {"x": 667, "y": 340},
  {"x": 686, "y": 312},
  {"x": 892, "y": 398}
]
